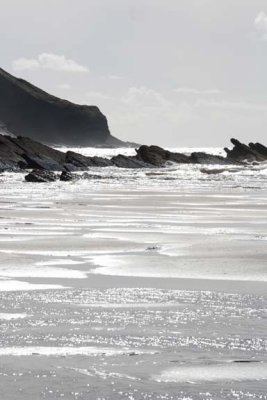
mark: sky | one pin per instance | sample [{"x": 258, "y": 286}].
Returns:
[{"x": 167, "y": 72}]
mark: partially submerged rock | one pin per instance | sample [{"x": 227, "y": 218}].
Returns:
[
  {"x": 158, "y": 157},
  {"x": 41, "y": 176},
  {"x": 243, "y": 153},
  {"x": 204, "y": 158},
  {"x": 67, "y": 176},
  {"x": 122, "y": 161},
  {"x": 22, "y": 153},
  {"x": 82, "y": 162}
]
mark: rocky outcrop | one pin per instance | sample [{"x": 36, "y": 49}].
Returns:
[
  {"x": 67, "y": 176},
  {"x": 22, "y": 153},
  {"x": 122, "y": 161},
  {"x": 41, "y": 176},
  {"x": 243, "y": 153},
  {"x": 82, "y": 162},
  {"x": 29, "y": 111},
  {"x": 204, "y": 158},
  {"x": 157, "y": 156}
]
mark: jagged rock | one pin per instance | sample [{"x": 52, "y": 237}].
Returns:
[
  {"x": 70, "y": 167},
  {"x": 25, "y": 153},
  {"x": 43, "y": 162},
  {"x": 41, "y": 176},
  {"x": 157, "y": 156},
  {"x": 9, "y": 154},
  {"x": 100, "y": 162},
  {"x": 178, "y": 158},
  {"x": 68, "y": 176},
  {"x": 82, "y": 162},
  {"x": 122, "y": 161},
  {"x": 152, "y": 155},
  {"x": 76, "y": 159},
  {"x": 29, "y": 111},
  {"x": 204, "y": 158},
  {"x": 259, "y": 148},
  {"x": 241, "y": 152}
]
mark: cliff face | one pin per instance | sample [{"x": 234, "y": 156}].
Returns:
[{"x": 29, "y": 111}]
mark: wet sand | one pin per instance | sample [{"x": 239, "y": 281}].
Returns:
[{"x": 164, "y": 283}]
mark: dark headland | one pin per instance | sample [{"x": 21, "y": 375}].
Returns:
[
  {"x": 26, "y": 110},
  {"x": 32, "y": 120}
]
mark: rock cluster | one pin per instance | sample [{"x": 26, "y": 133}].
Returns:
[
  {"x": 242, "y": 152},
  {"x": 21, "y": 153}
]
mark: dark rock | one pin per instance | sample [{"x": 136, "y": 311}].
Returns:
[
  {"x": 25, "y": 153},
  {"x": 153, "y": 155},
  {"x": 241, "y": 152},
  {"x": 76, "y": 159},
  {"x": 157, "y": 156},
  {"x": 43, "y": 162},
  {"x": 70, "y": 167},
  {"x": 83, "y": 162},
  {"x": 29, "y": 111},
  {"x": 10, "y": 154},
  {"x": 204, "y": 158},
  {"x": 100, "y": 162},
  {"x": 259, "y": 148},
  {"x": 122, "y": 161},
  {"x": 68, "y": 176},
  {"x": 178, "y": 158},
  {"x": 38, "y": 175}
]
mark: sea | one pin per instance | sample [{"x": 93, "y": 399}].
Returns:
[{"x": 135, "y": 283}]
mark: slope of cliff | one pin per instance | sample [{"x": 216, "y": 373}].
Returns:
[{"x": 29, "y": 111}]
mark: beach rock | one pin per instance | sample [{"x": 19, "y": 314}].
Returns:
[
  {"x": 29, "y": 111},
  {"x": 204, "y": 158},
  {"x": 241, "y": 152},
  {"x": 43, "y": 162},
  {"x": 77, "y": 160},
  {"x": 18, "y": 153},
  {"x": 25, "y": 153},
  {"x": 68, "y": 176},
  {"x": 122, "y": 161},
  {"x": 153, "y": 155},
  {"x": 259, "y": 148},
  {"x": 157, "y": 156},
  {"x": 41, "y": 176},
  {"x": 83, "y": 162}
]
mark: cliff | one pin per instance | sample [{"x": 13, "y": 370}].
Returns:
[{"x": 26, "y": 110}]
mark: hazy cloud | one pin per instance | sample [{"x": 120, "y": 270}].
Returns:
[
  {"x": 261, "y": 23},
  {"x": 49, "y": 61},
  {"x": 144, "y": 96},
  {"x": 65, "y": 86},
  {"x": 115, "y": 77},
  {"x": 197, "y": 91},
  {"x": 97, "y": 96},
  {"x": 241, "y": 106}
]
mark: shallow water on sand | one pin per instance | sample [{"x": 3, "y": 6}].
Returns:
[{"x": 134, "y": 285}]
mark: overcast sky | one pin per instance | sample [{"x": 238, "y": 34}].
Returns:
[{"x": 167, "y": 72}]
